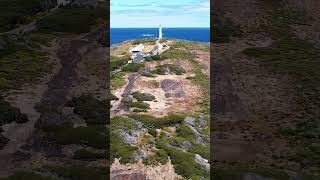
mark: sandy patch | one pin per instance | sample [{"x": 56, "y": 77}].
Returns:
[{"x": 163, "y": 105}]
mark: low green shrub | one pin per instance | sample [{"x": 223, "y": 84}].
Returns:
[
  {"x": 117, "y": 62},
  {"x": 153, "y": 132},
  {"x": 119, "y": 149},
  {"x": 143, "y": 96},
  {"x": 84, "y": 154},
  {"x": 123, "y": 122},
  {"x": 132, "y": 67},
  {"x": 3, "y": 141},
  {"x": 117, "y": 80},
  {"x": 78, "y": 172},
  {"x": 185, "y": 131},
  {"x": 172, "y": 68},
  {"x": 72, "y": 19},
  {"x": 9, "y": 113},
  {"x": 14, "y": 12},
  {"x": 138, "y": 105},
  {"x": 153, "y": 122},
  {"x": 175, "y": 53},
  {"x": 144, "y": 41},
  {"x": 94, "y": 111},
  {"x": 21, "y": 64},
  {"x": 65, "y": 134},
  {"x": 22, "y": 175},
  {"x": 161, "y": 156}
]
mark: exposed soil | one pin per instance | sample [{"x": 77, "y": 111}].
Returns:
[
  {"x": 251, "y": 101},
  {"x": 40, "y": 101}
]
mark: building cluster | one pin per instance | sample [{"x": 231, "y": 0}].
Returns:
[{"x": 138, "y": 55}]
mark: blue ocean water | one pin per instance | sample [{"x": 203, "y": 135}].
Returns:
[{"x": 118, "y": 35}]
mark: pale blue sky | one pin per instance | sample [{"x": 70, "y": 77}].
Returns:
[{"x": 151, "y": 13}]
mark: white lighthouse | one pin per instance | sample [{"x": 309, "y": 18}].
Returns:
[{"x": 160, "y": 32}]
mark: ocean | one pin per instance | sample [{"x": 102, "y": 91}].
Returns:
[{"x": 118, "y": 35}]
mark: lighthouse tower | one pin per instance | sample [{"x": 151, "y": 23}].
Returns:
[{"x": 160, "y": 32}]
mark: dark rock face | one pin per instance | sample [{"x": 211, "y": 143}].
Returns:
[
  {"x": 133, "y": 176},
  {"x": 21, "y": 156},
  {"x": 172, "y": 88}
]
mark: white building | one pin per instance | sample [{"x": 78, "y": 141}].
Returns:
[
  {"x": 157, "y": 49},
  {"x": 136, "y": 51},
  {"x": 63, "y": 2},
  {"x": 160, "y": 32}
]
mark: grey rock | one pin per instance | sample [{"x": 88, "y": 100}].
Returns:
[
  {"x": 202, "y": 121},
  {"x": 131, "y": 136},
  {"x": 190, "y": 121},
  {"x": 172, "y": 88},
  {"x": 185, "y": 145},
  {"x": 204, "y": 162},
  {"x": 139, "y": 154}
]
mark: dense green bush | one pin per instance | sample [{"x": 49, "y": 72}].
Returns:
[
  {"x": 77, "y": 172},
  {"x": 144, "y": 41},
  {"x": 185, "y": 131},
  {"x": 72, "y": 19},
  {"x": 183, "y": 162},
  {"x": 117, "y": 62},
  {"x": 22, "y": 175},
  {"x": 94, "y": 111},
  {"x": 300, "y": 60},
  {"x": 20, "y": 64},
  {"x": 9, "y": 114},
  {"x": 223, "y": 29},
  {"x": 137, "y": 104},
  {"x": 119, "y": 149},
  {"x": 161, "y": 156},
  {"x": 117, "y": 80},
  {"x": 153, "y": 122},
  {"x": 143, "y": 96},
  {"x": 3, "y": 141},
  {"x": 153, "y": 132},
  {"x": 65, "y": 134},
  {"x": 84, "y": 154},
  {"x": 13, "y": 12},
  {"x": 123, "y": 122},
  {"x": 177, "y": 53},
  {"x": 132, "y": 67}
]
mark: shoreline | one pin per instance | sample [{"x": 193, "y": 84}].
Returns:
[{"x": 128, "y": 40}]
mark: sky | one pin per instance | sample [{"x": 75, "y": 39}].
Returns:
[{"x": 151, "y": 13}]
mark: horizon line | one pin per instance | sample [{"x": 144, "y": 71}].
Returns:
[{"x": 156, "y": 27}]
